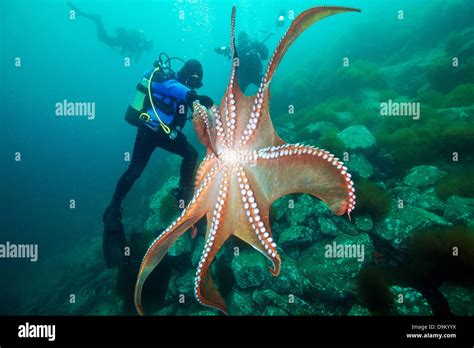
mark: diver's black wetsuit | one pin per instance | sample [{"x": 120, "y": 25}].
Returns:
[
  {"x": 146, "y": 142},
  {"x": 251, "y": 53}
]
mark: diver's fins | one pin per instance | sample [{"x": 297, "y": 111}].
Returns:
[
  {"x": 114, "y": 240},
  {"x": 75, "y": 9}
]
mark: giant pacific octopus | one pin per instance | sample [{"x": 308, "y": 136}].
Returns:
[{"x": 246, "y": 168}]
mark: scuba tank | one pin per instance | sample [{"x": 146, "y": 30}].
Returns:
[{"x": 144, "y": 104}]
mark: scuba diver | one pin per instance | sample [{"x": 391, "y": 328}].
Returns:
[
  {"x": 159, "y": 111},
  {"x": 129, "y": 42},
  {"x": 251, "y": 53}
]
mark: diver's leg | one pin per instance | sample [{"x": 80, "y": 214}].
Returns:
[
  {"x": 183, "y": 148},
  {"x": 114, "y": 240},
  {"x": 142, "y": 151},
  {"x": 102, "y": 35}
]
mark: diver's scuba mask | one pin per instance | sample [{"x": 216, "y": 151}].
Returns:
[{"x": 193, "y": 82}]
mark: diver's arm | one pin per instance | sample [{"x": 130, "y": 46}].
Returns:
[{"x": 171, "y": 88}]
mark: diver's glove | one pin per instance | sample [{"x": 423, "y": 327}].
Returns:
[{"x": 203, "y": 99}]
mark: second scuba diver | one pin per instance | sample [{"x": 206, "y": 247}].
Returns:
[{"x": 159, "y": 111}]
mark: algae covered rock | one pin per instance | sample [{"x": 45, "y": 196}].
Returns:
[
  {"x": 296, "y": 235},
  {"x": 357, "y": 137},
  {"x": 409, "y": 301},
  {"x": 328, "y": 226},
  {"x": 289, "y": 281},
  {"x": 274, "y": 311},
  {"x": 330, "y": 267},
  {"x": 249, "y": 269},
  {"x": 359, "y": 165},
  {"x": 291, "y": 304},
  {"x": 459, "y": 210},
  {"x": 423, "y": 176},
  {"x": 241, "y": 303},
  {"x": 163, "y": 206},
  {"x": 364, "y": 222},
  {"x": 460, "y": 299},
  {"x": 358, "y": 310},
  {"x": 401, "y": 222},
  {"x": 301, "y": 210}
]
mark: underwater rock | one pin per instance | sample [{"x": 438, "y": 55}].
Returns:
[
  {"x": 166, "y": 311},
  {"x": 344, "y": 117},
  {"x": 457, "y": 114},
  {"x": 274, "y": 311},
  {"x": 423, "y": 176},
  {"x": 459, "y": 209},
  {"x": 401, "y": 222},
  {"x": 183, "y": 245},
  {"x": 427, "y": 199},
  {"x": 296, "y": 235},
  {"x": 249, "y": 269},
  {"x": 357, "y": 137},
  {"x": 241, "y": 303},
  {"x": 430, "y": 201},
  {"x": 155, "y": 220},
  {"x": 289, "y": 280},
  {"x": 321, "y": 279},
  {"x": 301, "y": 210},
  {"x": 318, "y": 129},
  {"x": 206, "y": 313},
  {"x": 408, "y": 194},
  {"x": 408, "y": 301},
  {"x": 359, "y": 310},
  {"x": 291, "y": 304},
  {"x": 328, "y": 227},
  {"x": 460, "y": 298},
  {"x": 364, "y": 222},
  {"x": 180, "y": 284},
  {"x": 358, "y": 164}
]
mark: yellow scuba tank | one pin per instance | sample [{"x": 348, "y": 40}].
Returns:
[{"x": 138, "y": 100}]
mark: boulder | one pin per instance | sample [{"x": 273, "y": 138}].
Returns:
[
  {"x": 289, "y": 279},
  {"x": 296, "y": 235},
  {"x": 328, "y": 227},
  {"x": 459, "y": 210},
  {"x": 241, "y": 303},
  {"x": 155, "y": 221},
  {"x": 423, "y": 176},
  {"x": 330, "y": 276},
  {"x": 401, "y": 222},
  {"x": 274, "y": 311},
  {"x": 357, "y": 137},
  {"x": 360, "y": 166},
  {"x": 409, "y": 301},
  {"x": 460, "y": 298},
  {"x": 359, "y": 310},
  {"x": 249, "y": 269},
  {"x": 318, "y": 129},
  {"x": 364, "y": 222},
  {"x": 291, "y": 304}
]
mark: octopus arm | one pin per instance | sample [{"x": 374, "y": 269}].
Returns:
[
  {"x": 293, "y": 168},
  {"x": 196, "y": 209},
  {"x": 300, "y": 24}
]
